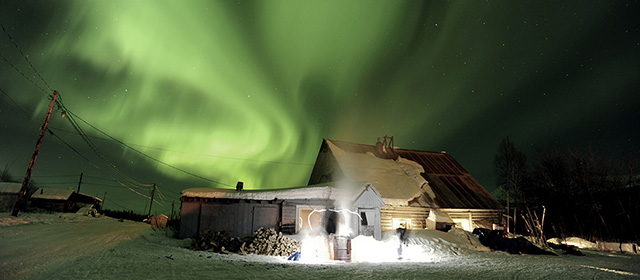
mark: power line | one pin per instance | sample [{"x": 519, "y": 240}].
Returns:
[
  {"x": 18, "y": 105},
  {"x": 160, "y": 195},
  {"x": 79, "y": 130},
  {"x": 72, "y": 148},
  {"x": 117, "y": 204},
  {"x": 100, "y": 185},
  {"x": 23, "y": 74},
  {"x": 95, "y": 149},
  {"x": 49, "y": 130},
  {"x": 194, "y": 154},
  {"x": 60, "y": 105},
  {"x": 148, "y": 156},
  {"x": 54, "y": 176},
  {"x": 56, "y": 136},
  {"x": 73, "y": 123},
  {"x": 26, "y": 57},
  {"x": 99, "y": 178}
]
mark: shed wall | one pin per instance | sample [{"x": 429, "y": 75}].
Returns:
[
  {"x": 52, "y": 205},
  {"x": 236, "y": 217},
  {"x": 7, "y": 201},
  {"x": 189, "y": 219}
]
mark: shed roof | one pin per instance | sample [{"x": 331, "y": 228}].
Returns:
[
  {"x": 53, "y": 194},
  {"x": 335, "y": 191},
  {"x": 436, "y": 179},
  {"x": 10, "y": 187}
]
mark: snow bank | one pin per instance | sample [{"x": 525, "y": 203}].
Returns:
[
  {"x": 422, "y": 246},
  {"x": 78, "y": 247},
  {"x": 573, "y": 241}
]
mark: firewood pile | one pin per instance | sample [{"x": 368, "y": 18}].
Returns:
[
  {"x": 219, "y": 242},
  {"x": 272, "y": 243},
  {"x": 264, "y": 242}
]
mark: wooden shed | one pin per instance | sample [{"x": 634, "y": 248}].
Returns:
[
  {"x": 410, "y": 182},
  {"x": 62, "y": 200},
  {"x": 353, "y": 208},
  {"x": 9, "y": 193}
]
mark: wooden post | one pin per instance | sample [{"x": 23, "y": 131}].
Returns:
[
  {"x": 153, "y": 191},
  {"x": 79, "y": 183},
  {"x": 544, "y": 212},
  {"x": 508, "y": 217},
  {"x": 22, "y": 195},
  {"x": 515, "y": 210}
]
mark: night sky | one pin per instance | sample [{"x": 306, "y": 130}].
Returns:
[{"x": 246, "y": 90}]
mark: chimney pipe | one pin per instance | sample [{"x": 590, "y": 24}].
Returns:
[{"x": 239, "y": 186}]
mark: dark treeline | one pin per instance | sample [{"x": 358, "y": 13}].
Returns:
[
  {"x": 124, "y": 214},
  {"x": 580, "y": 193},
  {"x": 5, "y": 176}
]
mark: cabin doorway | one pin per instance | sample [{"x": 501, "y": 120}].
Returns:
[
  {"x": 309, "y": 217},
  {"x": 368, "y": 218}
]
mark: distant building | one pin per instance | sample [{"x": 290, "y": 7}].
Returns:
[
  {"x": 9, "y": 192},
  {"x": 62, "y": 200},
  {"x": 410, "y": 182}
]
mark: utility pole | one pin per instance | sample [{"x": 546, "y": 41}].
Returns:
[
  {"x": 22, "y": 195},
  {"x": 79, "y": 183},
  {"x": 151, "y": 203}
]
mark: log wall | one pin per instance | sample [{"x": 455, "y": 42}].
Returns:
[{"x": 418, "y": 216}]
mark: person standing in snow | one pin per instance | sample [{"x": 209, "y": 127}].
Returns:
[
  {"x": 401, "y": 231},
  {"x": 402, "y": 234}
]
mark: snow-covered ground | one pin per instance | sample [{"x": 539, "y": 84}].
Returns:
[{"x": 68, "y": 246}]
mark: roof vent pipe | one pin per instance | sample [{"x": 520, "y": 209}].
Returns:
[
  {"x": 239, "y": 186},
  {"x": 385, "y": 149}
]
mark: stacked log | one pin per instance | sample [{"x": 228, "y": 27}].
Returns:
[
  {"x": 264, "y": 242},
  {"x": 272, "y": 243}
]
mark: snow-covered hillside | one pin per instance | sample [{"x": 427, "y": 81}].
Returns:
[{"x": 67, "y": 246}]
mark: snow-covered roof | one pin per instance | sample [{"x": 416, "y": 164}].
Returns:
[
  {"x": 335, "y": 192},
  {"x": 54, "y": 194},
  {"x": 10, "y": 187},
  {"x": 431, "y": 179},
  {"x": 439, "y": 216},
  {"x": 397, "y": 181}
]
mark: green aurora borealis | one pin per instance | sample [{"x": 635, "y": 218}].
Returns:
[{"x": 246, "y": 90}]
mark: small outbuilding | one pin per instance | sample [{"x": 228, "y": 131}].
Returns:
[
  {"x": 9, "y": 193},
  {"x": 159, "y": 221},
  {"x": 345, "y": 209},
  {"x": 63, "y": 200}
]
